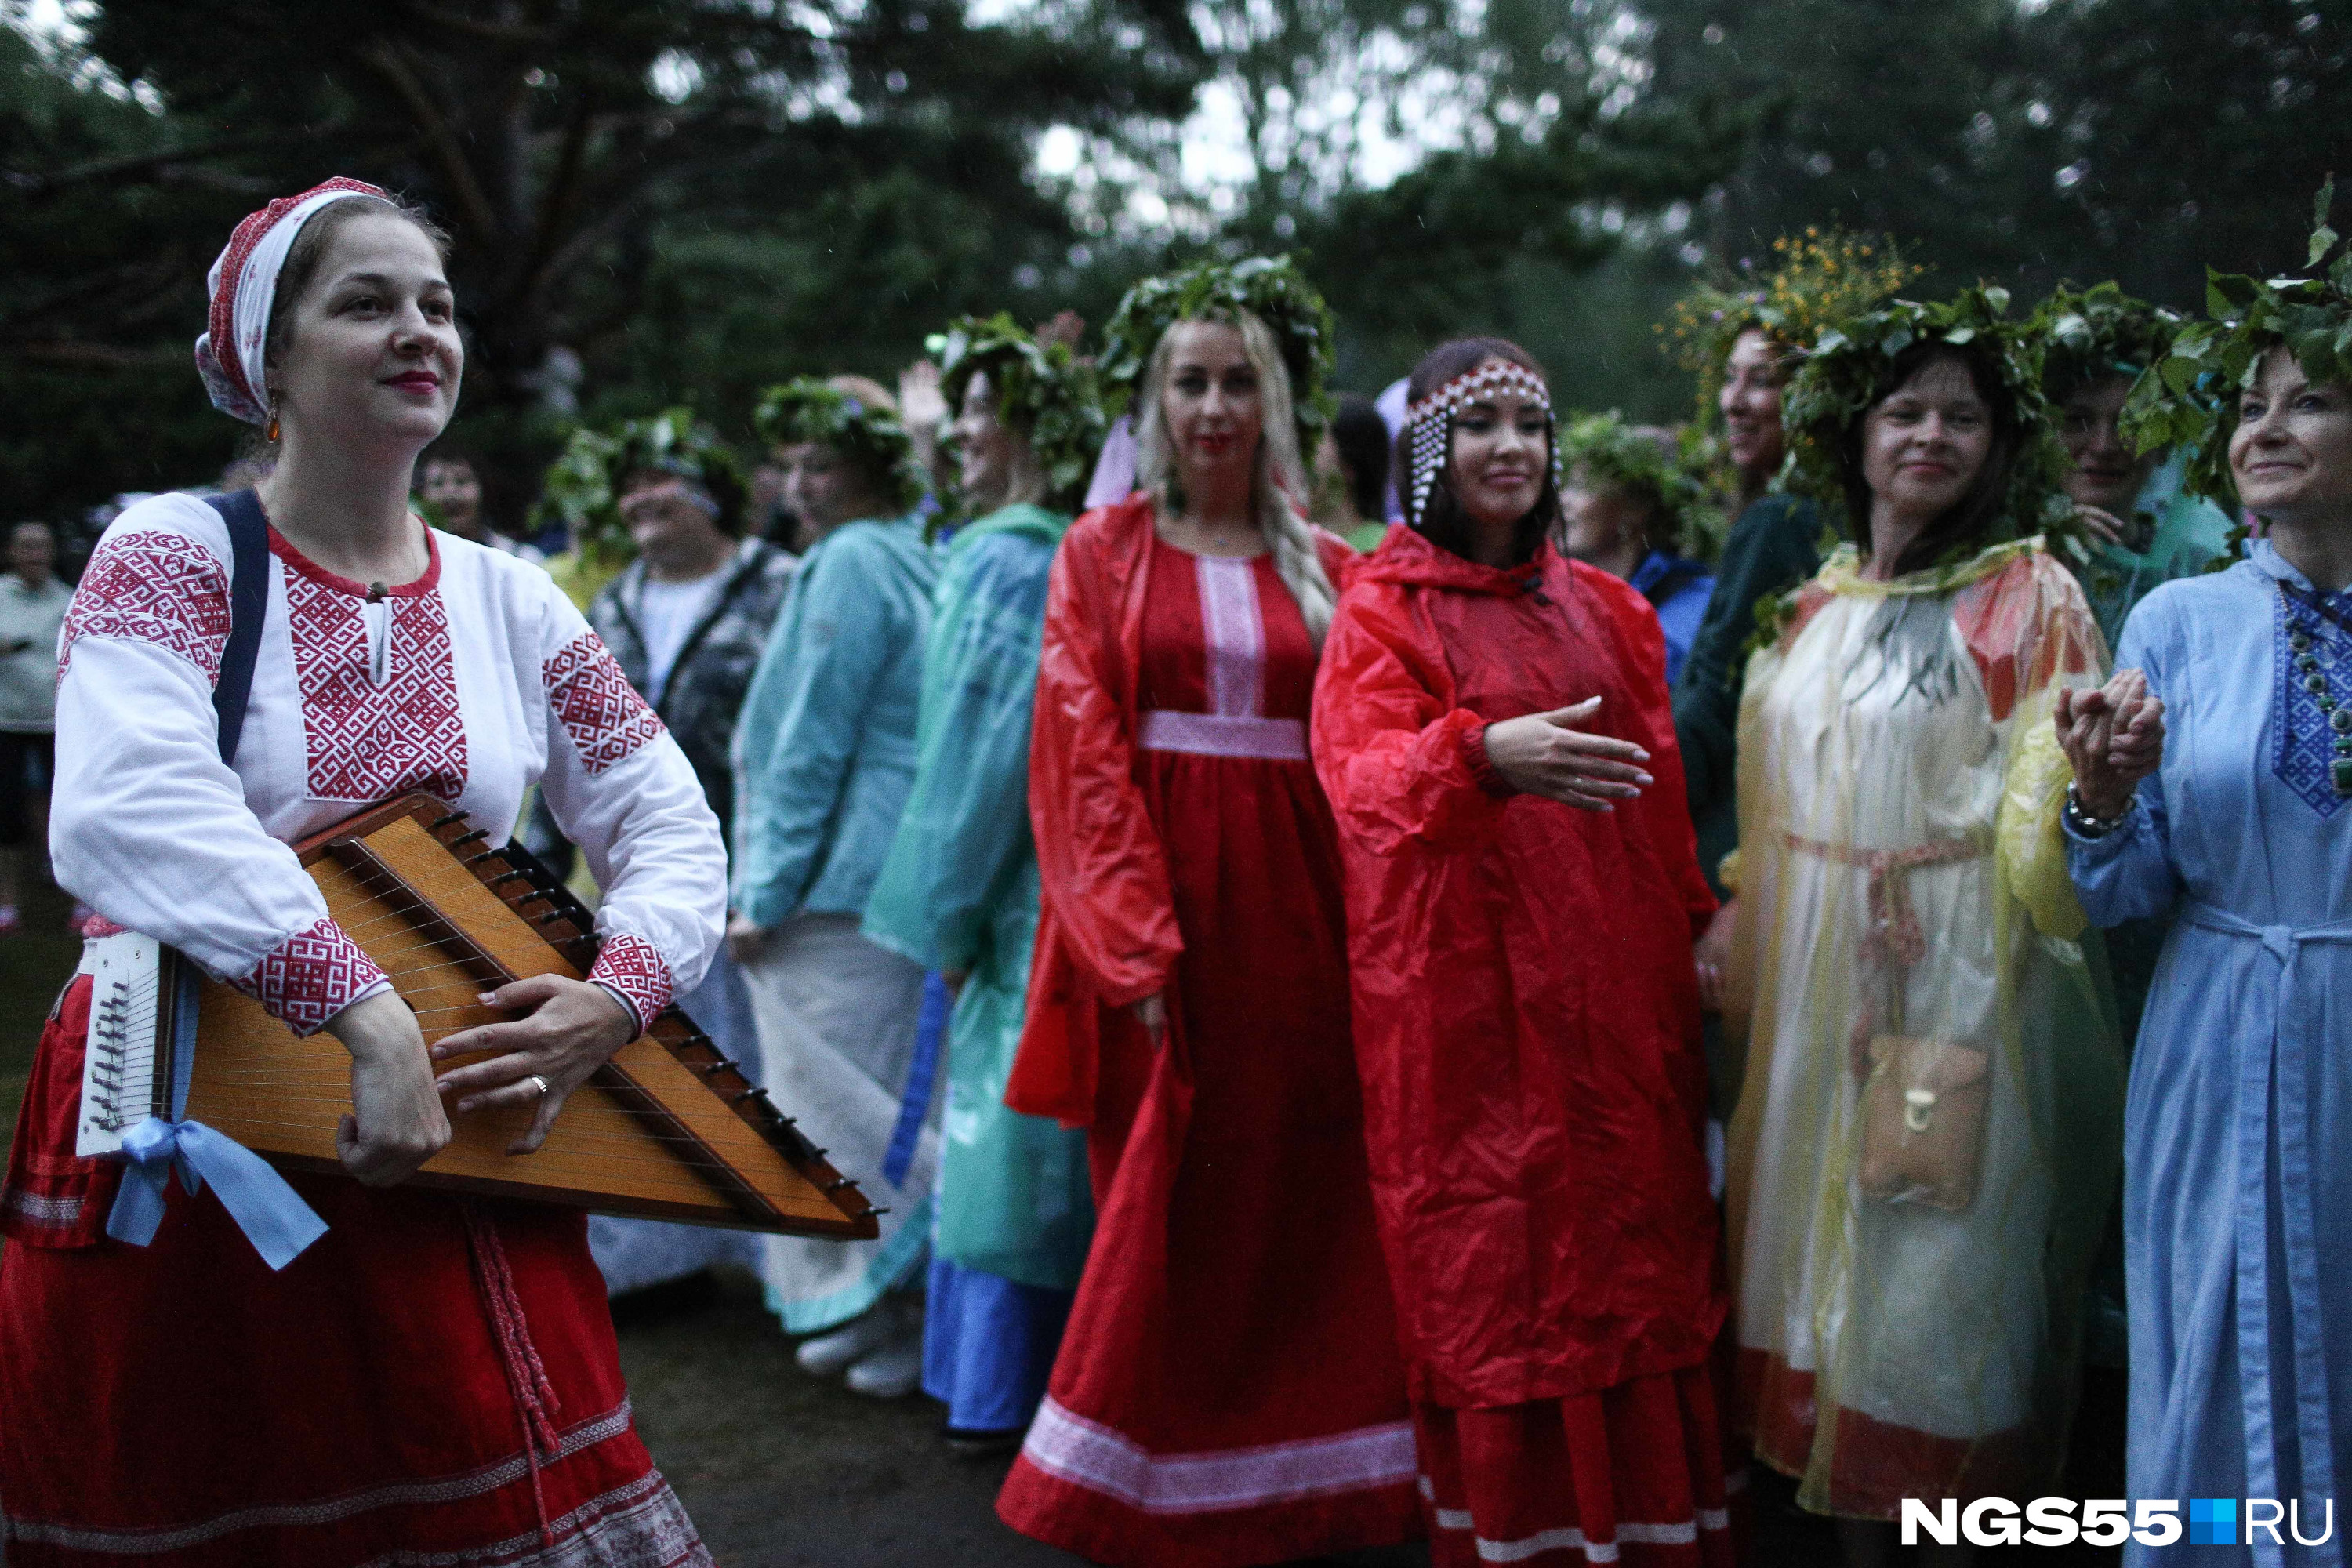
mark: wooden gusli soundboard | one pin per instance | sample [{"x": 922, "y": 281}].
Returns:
[{"x": 669, "y": 1128}]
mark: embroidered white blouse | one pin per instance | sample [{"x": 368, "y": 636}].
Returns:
[{"x": 472, "y": 683}]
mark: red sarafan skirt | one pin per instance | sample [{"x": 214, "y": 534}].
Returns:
[
  {"x": 1634, "y": 1474},
  {"x": 434, "y": 1380}
]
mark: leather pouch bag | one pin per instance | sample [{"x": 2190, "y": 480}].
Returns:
[{"x": 1923, "y": 1116}]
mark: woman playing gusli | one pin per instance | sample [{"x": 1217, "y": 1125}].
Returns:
[
  {"x": 2212, "y": 776},
  {"x": 431, "y": 1379},
  {"x": 1924, "y": 1145},
  {"x": 1493, "y": 726},
  {"x": 1229, "y": 1391}
]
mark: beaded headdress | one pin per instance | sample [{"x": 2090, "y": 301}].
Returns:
[{"x": 1430, "y": 422}]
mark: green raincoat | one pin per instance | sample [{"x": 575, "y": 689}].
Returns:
[
  {"x": 959, "y": 893},
  {"x": 2185, "y": 536}
]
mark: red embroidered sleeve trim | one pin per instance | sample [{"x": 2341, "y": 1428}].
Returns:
[
  {"x": 607, "y": 720},
  {"x": 154, "y": 587},
  {"x": 632, "y": 966},
  {"x": 312, "y": 976}
]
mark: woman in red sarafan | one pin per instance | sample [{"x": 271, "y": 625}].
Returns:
[
  {"x": 1492, "y": 723},
  {"x": 432, "y": 1380},
  {"x": 1229, "y": 1391}
]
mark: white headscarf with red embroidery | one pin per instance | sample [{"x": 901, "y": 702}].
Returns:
[{"x": 243, "y": 286}]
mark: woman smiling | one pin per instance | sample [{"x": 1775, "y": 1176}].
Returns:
[
  {"x": 1492, "y": 724},
  {"x": 1229, "y": 1392},
  {"x": 433, "y": 1378},
  {"x": 2212, "y": 778},
  {"x": 1924, "y": 1148}
]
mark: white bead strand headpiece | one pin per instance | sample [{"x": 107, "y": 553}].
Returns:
[{"x": 1430, "y": 420}]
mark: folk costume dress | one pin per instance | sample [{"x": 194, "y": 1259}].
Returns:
[
  {"x": 825, "y": 755},
  {"x": 1910, "y": 957},
  {"x": 2237, "y": 1188},
  {"x": 1229, "y": 1391},
  {"x": 1527, "y": 1021},
  {"x": 960, "y": 893},
  {"x": 435, "y": 1379}
]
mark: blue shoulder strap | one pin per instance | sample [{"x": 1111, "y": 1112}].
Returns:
[{"x": 248, "y": 601}]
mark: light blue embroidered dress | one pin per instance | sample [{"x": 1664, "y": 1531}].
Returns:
[
  {"x": 824, "y": 756},
  {"x": 959, "y": 892},
  {"x": 2238, "y": 1141}
]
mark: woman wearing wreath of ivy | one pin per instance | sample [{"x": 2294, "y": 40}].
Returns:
[
  {"x": 2211, "y": 779},
  {"x": 687, "y": 617},
  {"x": 824, "y": 756},
  {"x": 1626, "y": 509},
  {"x": 1744, "y": 345},
  {"x": 1229, "y": 1391},
  {"x": 959, "y": 891},
  {"x": 1924, "y": 1146}
]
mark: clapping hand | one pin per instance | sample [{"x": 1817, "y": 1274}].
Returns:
[{"x": 2114, "y": 736}]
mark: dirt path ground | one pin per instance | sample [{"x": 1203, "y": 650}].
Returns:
[{"x": 783, "y": 1471}]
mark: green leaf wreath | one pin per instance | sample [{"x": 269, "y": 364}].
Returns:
[
  {"x": 1270, "y": 288},
  {"x": 1609, "y": 451},
  {"x": 2093, "y": 333},
  {"x": 582, "y": 484},
  {"x": 1818, "y": 279},
  {"x": 808, "y": 409},
  {"x": 2190, "y": 399},
  {"x": 1043, "y": 392},
  {"x": 1840, "y": 373}
]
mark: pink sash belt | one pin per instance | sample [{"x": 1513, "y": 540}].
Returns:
[{"x": 1225, "y": 735}]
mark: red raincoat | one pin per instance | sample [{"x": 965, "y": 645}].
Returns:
[{"x": 1527, "y": 1022}]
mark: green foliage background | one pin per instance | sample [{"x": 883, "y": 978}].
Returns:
[{"x": 699, "y": 200}]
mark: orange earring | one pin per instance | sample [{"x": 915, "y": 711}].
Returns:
[{"x": 272, "y": 433}]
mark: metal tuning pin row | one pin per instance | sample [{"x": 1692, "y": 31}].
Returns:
[{"x": 109, "y": 1047}]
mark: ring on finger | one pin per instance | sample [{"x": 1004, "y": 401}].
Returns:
[{"x": 539, "y": 1083}]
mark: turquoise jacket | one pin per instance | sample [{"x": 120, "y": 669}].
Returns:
[
  {"x": 958, "y": 892},
  {"x": 825, "y": 751},
  {"x": 2183, "y": 536}
]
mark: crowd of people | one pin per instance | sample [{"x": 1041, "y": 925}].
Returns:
[{"x": 1428, "y": 966}]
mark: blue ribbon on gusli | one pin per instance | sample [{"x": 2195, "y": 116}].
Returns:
[{"x": 272, "y": 1215}]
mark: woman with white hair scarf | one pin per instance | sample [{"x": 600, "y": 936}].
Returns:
[{"x": 398, "y": 1375}]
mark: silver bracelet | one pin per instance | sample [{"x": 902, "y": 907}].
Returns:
[{"x": 2088, "y": 826}]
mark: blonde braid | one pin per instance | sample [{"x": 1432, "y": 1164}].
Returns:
[{"x": 1282, "y": 484}]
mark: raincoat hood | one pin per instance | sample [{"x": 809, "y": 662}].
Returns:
[{"x": 1406, "y": 557}]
